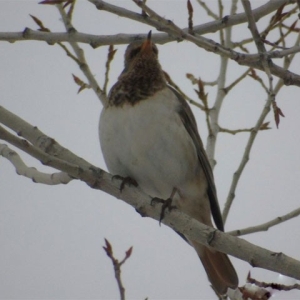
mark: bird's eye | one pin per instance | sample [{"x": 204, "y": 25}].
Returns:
[{"x": 134, "y": 52}]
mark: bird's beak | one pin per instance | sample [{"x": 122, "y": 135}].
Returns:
[{"x": 147, "y": 45}]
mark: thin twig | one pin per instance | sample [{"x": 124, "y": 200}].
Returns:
[
  {"x": 271, "y": 98},
  {"x": 65, "y": 48},
  {"x": 242, "y": 43},
  {"x": 277, "y": 20},
  {"x": 272, "y": 285},
  {"x": 208, "y": 10},
  {"x": 239, "y": 79},
  {"x": 221, "y": 31},
  {"x": 254, "y": 76},
  {"x": 203, "y": 97},
  {"x": 110, "y": 57},
  {"x": 190, "y": 100},
  {"x": 296, "y": 29},
  {"x": 266, "y": 61},
  {"x": 267, "y": 225},
  {"x": 42, "y": 28},
  {"x": 71, "y": 9},
  {"x": 221, "y": 94},
  {"x": 194, "y": 80},
  {"x": 190, "y": 19},
  {"x": 117, "y": 265},
  {"x": 264, "y": 126},
  {"x": 81, "y": 57},
  {"x": 253, "y": 134},
  {"x": 82, "y": 85},
  {"x": 283, "y": 37}
]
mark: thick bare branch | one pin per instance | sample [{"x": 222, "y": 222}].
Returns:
[
  {"x": 214, "y": 26},
  {"x": 99, "y": 179},
  {"x": 38, "y": 138},
  {"x": 119, "y": 39},
  {"x": 35, "y": 152},
  {"x": 173, "y": 33},
  {"x": 96, "y": 41},
  {"x": 30, "y": 172}
]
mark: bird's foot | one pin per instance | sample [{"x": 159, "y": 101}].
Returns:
[
  {"x": 125, "y": 181},
  {"x": 166, "y": 204}
]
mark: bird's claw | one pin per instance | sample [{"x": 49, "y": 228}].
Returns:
[
  {"x": 125, "y": 181},
  {"x": 166, "y": 204}
]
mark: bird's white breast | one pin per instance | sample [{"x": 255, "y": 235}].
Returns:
[{"x": 148, "y": 142}]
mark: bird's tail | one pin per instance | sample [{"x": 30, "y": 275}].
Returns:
[{"x": 219, "y": 268}]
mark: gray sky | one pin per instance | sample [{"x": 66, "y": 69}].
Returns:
[{"x": 51, "y": 237}]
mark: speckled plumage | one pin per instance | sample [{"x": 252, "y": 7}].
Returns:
[
  {"x": 131, "y": 87},
  {"x": 148, "y": 132}
]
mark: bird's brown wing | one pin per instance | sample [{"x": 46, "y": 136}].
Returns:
[{"x": 190, "y": 125}]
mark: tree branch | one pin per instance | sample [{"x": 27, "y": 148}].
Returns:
[
  {"x": 208, "y": 10},
  {"x": 32, "y": 173},
  {"x": 272, "y": 285},
  {"x": 117, "y": 266},
  {"x": 221, "y": 94},
  {"x": 253, "y": 134},
  {"x": 81, "y": 58},
  {"x": 245, "y": 158},
  {"x": 172, "y": 33},
  {"x": 214, "y": 26},
  {"x": 44, "y": 158},
  {"x": 266, "y": 61},
  {"x": 96, "y": 41},
  {"x": 39, "y": 139},
  {"x": 99, "y": 179},
  {"x": 264, "y": 126},
  {"x": 267, "y": 225}
]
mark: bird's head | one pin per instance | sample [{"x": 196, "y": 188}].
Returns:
[{"x": 140, "y": 50}]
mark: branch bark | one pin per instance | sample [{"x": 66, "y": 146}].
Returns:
[
  {"x": 172, "y": 33},
  {"x": 267, "y": 225},
  {"x": 32, "y": 173},
  {"x": 99, "y": 179}
]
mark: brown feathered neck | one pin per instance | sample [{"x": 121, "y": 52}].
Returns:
[{"x": 142, "y": 76}]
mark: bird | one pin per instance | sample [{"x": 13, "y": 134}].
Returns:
[{"x": 149, "y": 134}]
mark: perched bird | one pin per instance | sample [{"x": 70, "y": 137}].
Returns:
[{"x": 148, "y": 133}]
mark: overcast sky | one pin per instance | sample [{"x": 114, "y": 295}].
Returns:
[{"x": 51, "y": 237}]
